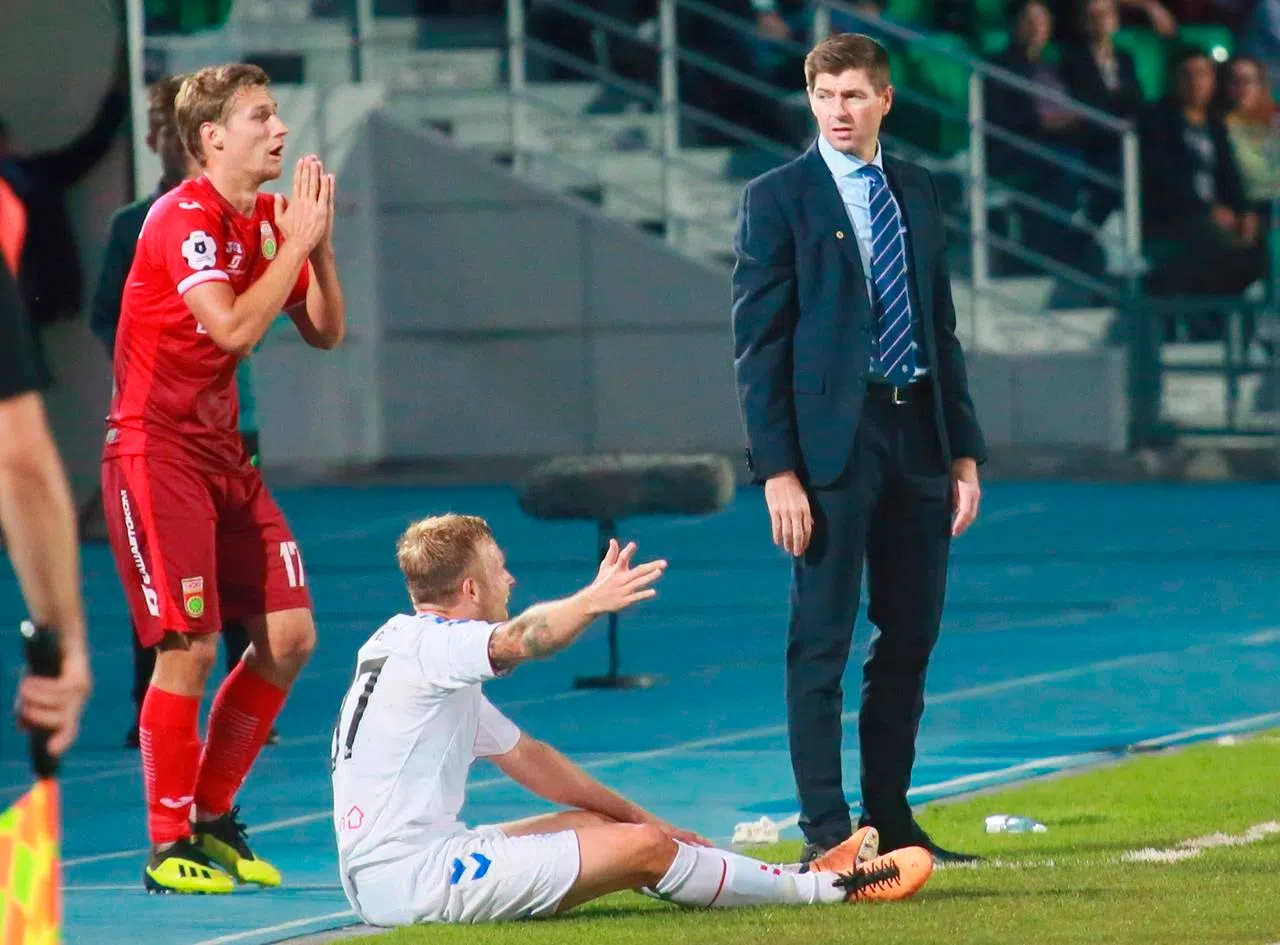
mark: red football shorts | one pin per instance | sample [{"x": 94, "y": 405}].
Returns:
[{"x": 194, "y": 548}]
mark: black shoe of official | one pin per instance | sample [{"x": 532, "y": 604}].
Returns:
[
  {"x": 811, "y": 851},
  {"x": 918, "y": 838}
]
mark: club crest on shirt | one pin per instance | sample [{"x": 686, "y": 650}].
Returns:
[
  {"x": 193, "y": 596},
  {"x": 268, "y": 240}
]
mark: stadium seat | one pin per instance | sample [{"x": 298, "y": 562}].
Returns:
[
  {"x": 916, "y": 13},
  {"x": 945, "y": 81},
  {"x": 608, "y": 488},
  {"x": 1217, "y": 41},
  {"x": 990, "y": 14},
  {"x": 1150, "y": 59},
  {"x": 185, "y": 16}
]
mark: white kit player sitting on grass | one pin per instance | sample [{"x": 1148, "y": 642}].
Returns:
[{"x": 415, "y": 719}]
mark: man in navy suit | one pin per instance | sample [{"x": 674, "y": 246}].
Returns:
[{"x": 860, "y": 426}]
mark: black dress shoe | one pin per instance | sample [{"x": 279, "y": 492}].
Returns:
[
  {"x": 941, "y": 855},
  {"x": 919, "y": 838},
  {"x": 811, "y": 851}
]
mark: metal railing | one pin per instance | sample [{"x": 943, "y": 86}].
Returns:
[{"x": 681, "y": 121}]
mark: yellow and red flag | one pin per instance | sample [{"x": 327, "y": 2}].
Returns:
[{"x": 30, "y": 876}]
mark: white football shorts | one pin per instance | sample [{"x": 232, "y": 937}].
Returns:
[{"x": 481, "y": 875}]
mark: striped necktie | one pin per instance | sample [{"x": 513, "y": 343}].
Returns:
[{"x": 897, "y": 348}]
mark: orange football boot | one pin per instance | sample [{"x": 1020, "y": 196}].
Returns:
[
  {"x": 842, "y": 858},
  {"x": 888, "y": 878}
]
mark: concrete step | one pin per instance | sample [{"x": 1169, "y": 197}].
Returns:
[
  {"x": 435, "y": 105},
  {"x": 407, "y": 68},
  {"x": 1201, "y": 400}
]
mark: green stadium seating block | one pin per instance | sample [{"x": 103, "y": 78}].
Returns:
[
  {"x": 1150, "y": 58},
  {"x": 1217, "y": 41},
  {"x": 918, "y": 13}
]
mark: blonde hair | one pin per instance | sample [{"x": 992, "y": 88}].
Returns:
[
  {"x": 435, "y": 554},
  {"x": 207, "y": 95},
  {"x": 845, "y": 51}
]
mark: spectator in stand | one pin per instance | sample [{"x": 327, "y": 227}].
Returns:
[
  {"x": 1260, "y": 37},
  {"x": 1193, "y": 195},
  {"x": 1099, "y": 74},
  {"x": 1042, "y": 122},
  {"x": 1253, "y": 125},
  {"x": 1143, "y": 13}
]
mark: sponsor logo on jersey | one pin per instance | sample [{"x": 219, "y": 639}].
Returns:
[
  {"x": 268, "y": 240},
  {"x": 199, "y": 250},
  {"x": 148, "y": 589},
  {"x": 188, "y": 205},
  {"x": 352, "y": 819},
  {"x": 236, "y": 251},
  {"x": 193, "y": 596}
]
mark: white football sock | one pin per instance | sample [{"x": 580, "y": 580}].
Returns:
[{"x": 711, "y": 878}]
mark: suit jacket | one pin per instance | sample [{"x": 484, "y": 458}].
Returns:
[
  {"x": 1084, "y": 82},
  {"x": 117, "y": 257},
  {"x": 803, "y": 325},
  {"x": 1168, "y": 169}
]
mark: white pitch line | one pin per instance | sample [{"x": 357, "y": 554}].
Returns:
[
  {"x": 763, "y": 731},
  {"x": 1189, "y": 849},
  {"x": 282, "y": 927},
  {"x": 1062, "y": 762}
]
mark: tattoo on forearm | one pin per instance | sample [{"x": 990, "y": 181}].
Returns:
[
  {"x": 527, "y": 637},
  {"x": 536, "y": 636}
]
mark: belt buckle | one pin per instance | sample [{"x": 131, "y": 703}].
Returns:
[{"x": 898, "y": 396}]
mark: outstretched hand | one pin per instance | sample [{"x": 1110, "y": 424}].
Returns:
[{"x": 618, "y": 585}]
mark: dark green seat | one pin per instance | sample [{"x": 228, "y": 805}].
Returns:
[
  {"x": 1150, "y": 59},
  {"x": 1217, "y": 41}
]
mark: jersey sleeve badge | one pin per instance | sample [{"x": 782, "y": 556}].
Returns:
[{"x": 199, "y": 250}]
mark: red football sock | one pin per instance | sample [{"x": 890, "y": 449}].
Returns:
[
  {"x": 170, "y": 740},
  {"x": 243, "y": 712}
]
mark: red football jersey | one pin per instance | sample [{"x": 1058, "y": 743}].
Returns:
[{"x": 174, "y": 388}]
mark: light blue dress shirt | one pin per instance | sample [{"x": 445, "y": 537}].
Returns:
[{"x": 855, "y": 192}]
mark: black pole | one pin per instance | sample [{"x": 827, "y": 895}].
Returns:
[{"x": 613, "y": 679}]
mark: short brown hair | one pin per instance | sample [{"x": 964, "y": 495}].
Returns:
[
  {"x": 161, "y": 102},
  {"x": 207, "y": 95},
  {"x": 844, "y": 51},
  {"x": 435, "y": 554}
]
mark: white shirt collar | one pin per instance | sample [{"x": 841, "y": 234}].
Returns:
[{"x": 845, "y": 165}]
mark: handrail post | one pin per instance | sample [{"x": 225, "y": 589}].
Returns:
[
  {"x": 362, "y": 29},
  {"x": 821, "y": 22},
  {"x": 670, "y": 89},
  {"x": 135, "y": 24},
  {"x": 979, "y": 247},
  {"x": 1132, "y": 205},
  {"x": 1145, "y": 364},
  {"x": 516, "y": 86}
]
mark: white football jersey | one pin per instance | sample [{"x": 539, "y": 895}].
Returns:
[{"x": 410, "y": 726}]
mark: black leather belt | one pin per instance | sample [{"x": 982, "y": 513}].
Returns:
[{"x": 898, "y": 396}]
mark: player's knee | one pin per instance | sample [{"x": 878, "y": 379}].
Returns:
[
  {"x": 185, "y": 661},
  {"x": 295, "y": 643},
  {"x": 651, "y": 849}
]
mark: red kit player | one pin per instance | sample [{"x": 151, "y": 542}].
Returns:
[{"x": 197, "y": 538}]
